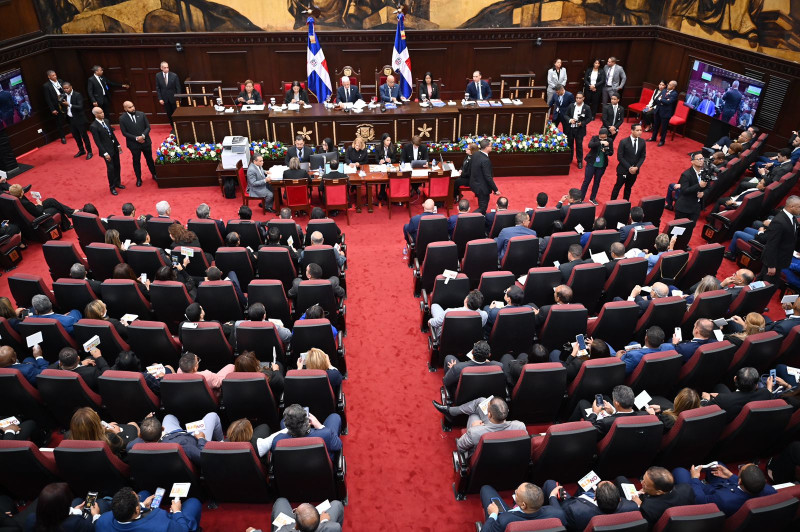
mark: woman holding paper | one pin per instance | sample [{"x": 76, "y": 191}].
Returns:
[
  {"x": 248, "y": 362},
  {"x": 296, "y": 94},
  {"x": 249, "y": 95},
  {"x": 97, "y": 310},
  {"x": 128, "y": 361},
  {"x": 318, "y": 359},
  {"x": 86, "y": 425},
  {"x": 687, "y": 399}
]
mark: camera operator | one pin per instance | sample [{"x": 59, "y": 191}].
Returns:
[
  {"x": 600, "y": 150},
  {"x": 692, "y": 186},
  {"x": 712, "y": 167}
]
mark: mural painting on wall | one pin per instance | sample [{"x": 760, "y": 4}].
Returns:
[{"x": 769, "y": 26}]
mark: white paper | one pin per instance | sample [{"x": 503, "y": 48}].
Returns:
[
  {"x": 709, "y": 465},
  {"x": 522, "y": 278},
  {"x": 419, "y": 172},
  {"x": 629, "y": 490},
  {"x": 276, "y": 321},
  {"x": 126, "y": 244},
  {"x": 143, "y": 278},
  {"x": 129, "y": 317},
  {"x": 36, "y": 195},
  {"x": 195, "y": 426},
  {"x": 677, "y": 292},
  {"x": 8, "y": 421},
  {"x": 718, "y": 335},
  {"x": 449, "y": 274},
  {"x": 589, "y": 481},
  {"x": 274, "y": 355},
  {"x": 189, "y": 252},
  {"x": 795, "y": 372},
  {"x": 579, "y": 229},
  {"x": 506, "y": 101},
  {"x": 189, "y": 325},
  {"x": 642, "y": 400},
  {"x": 91, "y": 343},
  {"x": 282, "y": 520},
  {"x": 180, "y": 489},
  {"x": 720, "y": 322},
  {"x": 789, "y": 299},
  {"x": 631, "y": 347},
  {"x": 34, "y": 339},
  {"x": 755, "y": 285},
  {"x": 556, "y": 263},
  {"x": 290, "y": 241},
  {"x": 677, "y": 231},
  {"x": 484, "y": 405},
  {"x": 349, "y": 169},
  {"x": 600, "y": 258},
  {"x": 499, "y": 304},
  {"x": 156, "y": 370},
  {"x": 620, "y": 225},
  {"x": 324, "y": 506}
]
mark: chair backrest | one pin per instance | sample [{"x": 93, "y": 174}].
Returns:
[
  {"x": 469, "y": 226},
  {"x": 692, "y": 436},
  {"x": 287, "y": 228},
  {"x": 47, "y": 228},
  {"x": 758, "y": 350},
  {"x": 522, "y": 254},
  {"x": 644, "y": 238},
  {"x": 314, "y": 333},
  {"x": 460, "y": 330},
  {"x": 102, "y": 259},
  {"x": 235, "y": 259},
  {"x": 432, "y": 228},
  {"x": 123, "y": 296},
  {"x": 219, "y": 301},
  {"x": 153, "y": 343},
  {"x": 557, "y": 247},
  {"x": 579, "y": 214},
  {"x": 248, "y": 230},
  {"x": 60, "y": 256},
  {"x": 145, "y": 259},
  {"x": 316, "y": 292},
  {"x": 644, "y": 97},
  {"x": 111, "y": 342},
  {"x": 449, "y": 294},
  {"x": 276, "y": 263},
  {"x": 600, "y": 242},
  {"x": 187, "y": 396},
  {"x": 126, "y": 394},
  {"x": 539, "y": 525},
  {"x": 666, "y": 312},
  {"x": 615, "y": 323},
  {"x": 439, "y": 185},
  {"x": 771, "y": 512},
  {"x": 9, "y": 336},
  {"x": 479, "y": 381},
  {"x": 712, "y": 305},
  {"x": 707, "y": 365},
  {"x": 562, "y": 324},
  {"x": 656, "y": 373},
  {"x": 616, "y": 211},
  {"x": 54, "y": 337},
  {"x": 326, "y": 226},
  {"x": 744, "y": 437},
  {"x": 542, "y": 220},
  {"x": 158, "y": 464},
  {"x": 207, "y": 232},
  {"x": 670, "y": 265},
  {"x": 703, "y": 260},
  {"x": 494, "y": 284},
  {"x": 752, "y": 300},
  {"x": 88, "y": 227},
  {"x": 596, "y": 376},
  {"x": 311, "y": 388},
  {"x": 248, "y": 485},
  {"x": 270, "y": 293},
  {"x": 24, "y": 286},
  {"x": 628, "y": 521},
  {"x": 566, "y": 452},
  {"x": 158, "y": 229},
  {"x": 626, "y": 274},
  {"x": 682, "y": 241},
  {"x": 73, "y": 293},
  {"x": 64, "y": 392},
  {"x": 248, "y": 395},
  {"x": 480, "y": 256},
  {"x": 502, "y": 219},
  {"x": 91, "y": 466},
  {"x": 302, "y": 470},
  {"x": 296, "y": 193},
  {"x": 537, "y": 395},
  {"x": 586, "y": 281},
  {"x": 630, "y": 446},
  {"x": 260, "y": 337},
  {"x": 653, "y": 207},
  {"x": 18, "y": 397},
  {"x": 209, "y": 342},
  {"x": 169, "y": 300},
  {"x": 539, "y": 284},
  {"x": 399, "y": 188},
  {"x": 440, "y": 256},
  {"x": 513, "y": 331},
  {"x": 500, "y": 460},
  {"x": 125, "y": 225},
  {"x": 323, "y": 255},
  {"x": 26, "y": 470}
]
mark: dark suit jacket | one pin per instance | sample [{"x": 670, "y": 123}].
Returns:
[
  {"x": 391, "y": 152},
  {"x": 407, "y": 154},
  {"x": 354, "y": 95},
  {"x": 434, "y": 94},
  {"x": 486, "y": 90},
  {"x": 625, "y": 231},
  {"x": 584, "y": 118},
  {"x": 386, "y": 94},
  {"x": 356, "y": 156},
  {"x": 560, "y": 111},
  {"x": 504, "y": 518},
  {"x": 481, "y": 178},
  {"x": 783, "y": 326},
  {"x": 731, "y": 101},
  {"x": 292, "y": 152},
  {"x": 781, "y": 235},
  {"x": 688, "y": 348},
  {"x": 166, "y": 90},
  {"x": 653, "y": 508},
  {"x": 626, "y": 156},
  {"x": 104, "y": 142},
  {"x": 566, "y": 268},
  {"x": 687, "y": 200},
  {"x": 667, "y": 104},
  {"x": 578, "y": 512},
  {"x": 599, "y": 84},
  {"x": 450, "y": 379},
  {"x": 288, "y": 97},
  {"x": 609, "y": 266},
  {"x": 95, "y": 90},
  {"x": 255, "y": 96},
  {"x": 76, "y": 104},
  {"x": 130, "y": 130},
  {"x": 594, "y": 147},
  {"x": 733, "y": 402},
  {"x": 51, "y": 96},
  {"x": 610, "y": 119},
  {"x": 89, "y": 374}
]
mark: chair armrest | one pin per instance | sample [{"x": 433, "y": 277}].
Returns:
[
  {"x": 719, "y": 216},
  {"x": 446, "y": 399},
  {"x": 40, "y": 220},
  {"x": 434, "y": 336},
  {"x": 341, "y": 239},
  {"x": 341, "y": 467},
  {"x": 341, "y": 402},
  {"x": 424, "y": 303},
  {"x": 460, "y": 464}
]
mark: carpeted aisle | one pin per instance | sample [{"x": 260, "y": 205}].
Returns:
[{"x": 399, "y": 465}]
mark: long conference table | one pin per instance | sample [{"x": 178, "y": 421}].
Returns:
[{"x": 316, "y": 122}]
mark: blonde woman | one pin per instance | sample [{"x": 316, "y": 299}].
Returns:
[
  {"x": 687, "y": 399},
  {"x": 318, "y": 359},
  {"x": 242, "y": 430},
  {"x": 356, "y": 154},
  {"x": 753, "y": 323}
]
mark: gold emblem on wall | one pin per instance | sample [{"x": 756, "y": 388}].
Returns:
[
  {"x": 366, "y": 132},
  {"x": 305, "y": 132},
  {"x": 424, "y": 131}
]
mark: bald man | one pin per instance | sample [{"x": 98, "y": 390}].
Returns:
[
  {"x": 410, "y": 229},
  {"x": 389, "y": 92},
  {"x": 136, "y": 128},
  {"x": 30, "y": 368},
  {"x": 108, "y": 147},
  {"x": 307, "y": 517}
]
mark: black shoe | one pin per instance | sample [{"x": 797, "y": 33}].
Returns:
[
  {"x": 63, "y": 140},
  {"x": 114, "y": 191},
  {"x": 661, "y": 143},
  {"x": 270, "y": 209},
  {"x": 138, "y": 182},
  {"x": 79, "y": 154},
  {"x": 652, "y": 139},
  {"x": 26, "y": 188},
  {"x": 669, "y": 207},
  {"x": 121, "y": 187},
  {"x": 89, "y": 155},
  {"x": 444, "y": 409},
  {"x": 730, "y": 256},
  {"x": 580, "y": 164},
  {"x": 593, "y": 202}
]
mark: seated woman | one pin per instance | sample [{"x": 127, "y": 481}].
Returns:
[
  {"x": 249, "y": 95},
  {"x": 247, "y": 362},
  {"x": 58, "y": 510},
  {"x": 124, "y": 271},
  {"x": 86, "y": 425},
  {"x": 328, "y": 146},
  {"x": 428, "y": 88},
  {"x": 706, "y": 284},
  {"x": 38, "y": 207},
  {"x": 385, "y": 153},
  {"x": 318, "y": 359},
  {"x": 10, "y": 313},
  {"x": 295, "y": 172},
  {"x": 112, "y": 237},
  {"x": 242, "y": 431},
  {"x": 296, "y": 94},
  {"x": 128, "y": 361},
  {"x": 178, "y": 273},
  {"x": 687, "y": 399},
  {"x": 182, "y": 237},
  {"x": 753, "y": 323},
  {"x": 356, "y": 154},
  {"x": 97, "y": 310}
]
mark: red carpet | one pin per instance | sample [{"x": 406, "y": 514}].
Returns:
[{"x": 399, "y": 464}]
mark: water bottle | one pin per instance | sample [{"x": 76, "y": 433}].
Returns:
[{"x": 405, "y": 253}]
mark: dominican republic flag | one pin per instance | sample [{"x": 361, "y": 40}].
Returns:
[
  {"x": 319, "y": 81},
  {"x": 400, "y": 60}
]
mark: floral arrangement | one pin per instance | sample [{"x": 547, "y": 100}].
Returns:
[{"x": 552, "y": 140}]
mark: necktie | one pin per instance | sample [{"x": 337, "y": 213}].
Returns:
[
  {"x": 166, "y": 78},
  {"x": 300, "y": 154},
  {"x": 615, "y": 112},
  {"x": 347, "y": 95},
  {"x": 479, "y": 89},
  {"x": 106, "y": 128},
  {"x": 635, "y": 146}
]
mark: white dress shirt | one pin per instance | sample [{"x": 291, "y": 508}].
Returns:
[
  {"x": 100, "y": 81},
  {"x": 69, "y": 104},
  {"x": 610, "y": 75},
  {"x": 593, "y": 77}
]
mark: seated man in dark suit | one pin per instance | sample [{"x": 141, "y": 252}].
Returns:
[
  {"x": 530, "y": 506},
  {"x": 659, "y": 493},
  {"x": 274, "y": 241},
  {"x": 463, "y": 208},
  {"x": 298, "y": 424},
  {"x": 702, "y": 333},
  {"x": 478, "y": 89},
  {"x": 89, "y": 369},
  {"x": 784, "y": 326},
  {"x": 616, "y": 254},
  {"x": 78, "y": 271},
  {"x": 656, "y": 291},
  {"x": 513, "y": 297},
  {"x": 574, "y": 254},
  {"x": 502, "y": 205},
  {"x": 637, "y": 220},
  {"x": 43, "y": 308},
  {"x": 728, "y": 491},
  {"x": 313, "y": 272},
  {"x": 562, "y": 294},
  {"x": 203, "y": 212},
  {"x": 574, "y": 197},
  {"x": 142, "y": 238},
  {"x": 30, "y": 368},
  {"x": 410, "y": 229},
  {"x": 622, "y": 398},
  {"x": 747, "y": 390},
  {"x": 520, "y": 228},
  {"x": 479, "y": 356},
  {"x": 578, "y": 511}
]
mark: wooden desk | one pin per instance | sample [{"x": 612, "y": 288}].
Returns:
[{"x": 204, "y": 124}]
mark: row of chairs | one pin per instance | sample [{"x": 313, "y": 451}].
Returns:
[
  {"x": 124, "y": 396},
  {"x": 735, "y": 169},
  {"x": 634, "y": 443},
  {"x": 299, "y": 469}
]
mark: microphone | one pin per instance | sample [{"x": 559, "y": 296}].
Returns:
[{"x": 235, "y": 103}]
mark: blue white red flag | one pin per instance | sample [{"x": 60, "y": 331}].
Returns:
[
  {"x": 400, "y": 61},
  {"x": 319, "y": 81}
]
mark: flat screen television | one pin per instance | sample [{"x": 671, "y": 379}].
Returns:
[
  {"x": 15, "y": 105},
  {"x": 727, "y": 96}
]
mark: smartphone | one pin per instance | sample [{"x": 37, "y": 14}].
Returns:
[
  {"x": 91, "y": 498},
  {"x": 143, "y": 278},
  {"x": 307, "y": 411},
  {"x": 581, "y": 342},
  {"x": 772, "y": 374},
  {"x": 174, "y": 261},
  {"x": 599, "y": 400},
  {"x": 157, "y": 498},
  {"x": 678, "y": 334},
  {"x": 498, "y": 502}
]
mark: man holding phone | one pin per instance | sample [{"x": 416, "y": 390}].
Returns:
[
  {"x": 132, "y": 512},
  {"x": 529, "y": 501},
  {"x": 623, "y": 405}
]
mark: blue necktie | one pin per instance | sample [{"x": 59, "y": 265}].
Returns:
[{"x": 107, "y": 130}]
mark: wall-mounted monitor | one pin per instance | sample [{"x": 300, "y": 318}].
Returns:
[
  {"x": 15, "y": 105},
  {"x": 724, "y": 95}
]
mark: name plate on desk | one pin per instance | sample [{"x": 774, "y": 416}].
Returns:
[{"x": 253, "y": 107}]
